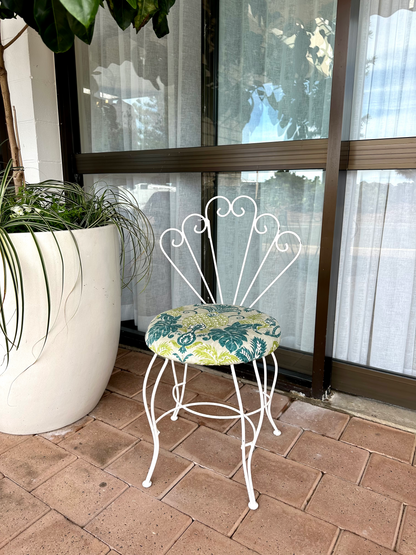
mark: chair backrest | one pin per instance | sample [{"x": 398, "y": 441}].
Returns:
[{"x": 257, "y": 227}]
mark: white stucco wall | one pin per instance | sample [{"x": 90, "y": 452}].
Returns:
[{"x": 30, "y": 67}]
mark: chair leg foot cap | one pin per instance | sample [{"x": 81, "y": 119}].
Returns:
[
  {"x": 277, "y": 432},
  {"x": 253, "y": 505},
  {"x": 147, "y": 483},
  {"x": 174, "y": 418}
]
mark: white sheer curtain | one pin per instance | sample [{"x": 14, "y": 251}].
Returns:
[
  {"x": 296, "y": 199},
  {"x": 376, "y": 308},
  {"x": 384, "y": 103},
  {"x": 137, "y": 92},
  {"x": 376, "y": 304}
]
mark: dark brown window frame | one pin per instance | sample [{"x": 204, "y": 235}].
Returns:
[{"x": 334, "y": 155}]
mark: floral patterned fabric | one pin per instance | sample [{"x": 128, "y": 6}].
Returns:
[{"x": 213, "y": 334}]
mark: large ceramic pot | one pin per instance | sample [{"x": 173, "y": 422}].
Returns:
[{"x": 48, "y": 385}]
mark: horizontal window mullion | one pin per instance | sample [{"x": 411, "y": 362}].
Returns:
[
  {"x": 260, "y": 156},
  {"x": 375, "y": 154}
]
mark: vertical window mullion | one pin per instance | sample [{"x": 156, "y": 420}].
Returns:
[{"x": 325, "y": 313}]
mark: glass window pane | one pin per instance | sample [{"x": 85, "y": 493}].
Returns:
[
  {"x": 138, "y": 92},
  {"x": 275, "y": 69},
  {"x": 384, "y": 102},
  {"x": 296, "y": 199},
  {"x": 166, "y": 199},
  {"x": 376, "y": 304}
]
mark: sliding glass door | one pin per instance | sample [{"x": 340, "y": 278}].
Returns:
[{"x": 309, "y": 109}]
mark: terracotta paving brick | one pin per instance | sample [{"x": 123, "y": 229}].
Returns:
[
  {"x": 164, "y": 399},
  {"x": 117, "y": 411},
  {"x": 204, "y": 541},
  {"x": 80, "y": 491},
  {"x": 277, "y": 477},
  {"x": 407, "y": 538},
  {"x": 357, "y": 509},
  {"x": 56, "y": 436},
  {"x": 310, "y": 417},
  {"x": 218, "y": 424},
  {"x": 137, "y": 523},
  {"x": 213, "y": 450},
  {"x": 267, "y": 440},
  {"x": 380, "y": 439},
  {"x": 251, "y": 400},
  {"x": 99, "y": 443},
  {"x": 52, "y": 535},
  {"x": 171, "y": 433},
  {"x": 18, "y": 510},
  {"x": 8, "y": 441},
  {"x": 278, "y": 529},
  {"x": 137, "y": 362},
  {"x": 392, "y": 478},
  {"x": 122, "y": 351},
  {"x": 211, "y": 499},
  {"x": 210, "y": 384},
  {"x": 126, "y": 383},
  {"x": 350, "y": 544},
  {"x": 32, "y": 462},
  {"x": 132, "y": 467},
  {"x": 179, "y": 368},
  {"x": 330, "y": 456}
]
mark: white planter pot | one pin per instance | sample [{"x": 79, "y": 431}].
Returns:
[{"x": 46, "y": 387}]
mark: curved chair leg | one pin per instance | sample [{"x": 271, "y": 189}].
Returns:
[
  {"x": 269, "y": 401},
  {"x": 252, "y": 444},
  {"x": 151, "y": 418},
  {"x": 176, "y": 388}
]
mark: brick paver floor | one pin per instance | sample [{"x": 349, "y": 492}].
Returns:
[{"x": 329, "y": 485}]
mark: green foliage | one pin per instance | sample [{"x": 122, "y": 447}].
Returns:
[
  {"x": 53, "y": 206},
  {"x": 59, "y": 21}
]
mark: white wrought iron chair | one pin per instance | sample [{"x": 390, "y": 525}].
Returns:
[{"x": 237, "y": 334}]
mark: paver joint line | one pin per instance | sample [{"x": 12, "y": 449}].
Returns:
[{"x": 333, "y": 449}]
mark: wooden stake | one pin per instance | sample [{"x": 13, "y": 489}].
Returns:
[{"x": 18, "y": 175}]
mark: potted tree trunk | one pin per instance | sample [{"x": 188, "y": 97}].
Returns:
[{"x": 60, "y": 252}]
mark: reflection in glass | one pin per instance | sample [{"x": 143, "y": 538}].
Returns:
[
  {"x": 275, "y": 69},
  {"x": 166, "y": 199},
  {"x": 376, "y": 304},
  {"x": 385, "y": 79},
  {"x": 138, "y": 92},
  {"x": 296, "y": 199}
]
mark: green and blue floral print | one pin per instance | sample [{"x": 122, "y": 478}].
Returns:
[{"x": 213, "y": 334}]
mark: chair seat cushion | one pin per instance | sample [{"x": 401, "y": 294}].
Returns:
[{"x": 213, "y": 334}]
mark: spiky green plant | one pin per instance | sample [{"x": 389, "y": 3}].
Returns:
[{"x": 53, "y": 206}]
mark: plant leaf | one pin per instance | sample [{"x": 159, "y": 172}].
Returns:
[
  {"x": 160, "y": 20},
  {"x": 23, "y": 8},
  {"x": 85, "y": 34},
  {"x": 133, "y": 3},
  {"x": 146, "y": 9},
  {"x": 83, "y": 10},
  {"x": 122, "y": 12},
  {"x": 6, "y": 14},
  {"x": 51, "y": 18}
]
